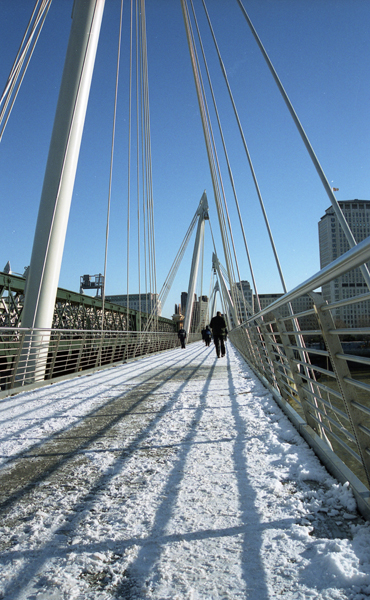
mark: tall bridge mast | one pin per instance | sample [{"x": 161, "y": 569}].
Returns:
[
  {"x": 202, "y": 213},
  {"x": 51, "y": 228}
]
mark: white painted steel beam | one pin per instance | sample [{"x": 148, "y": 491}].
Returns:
[
  {"x": 225, "y": 293},
  {"x": 214, "y": 298},
  {"x": 47, "y": 253},
  {"x": 202, "y": 213}
]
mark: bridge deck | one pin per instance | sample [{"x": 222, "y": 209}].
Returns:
[{"x": 175, "y": 476}]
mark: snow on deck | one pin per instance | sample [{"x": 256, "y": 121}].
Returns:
[{"x": 172, "y": 477}]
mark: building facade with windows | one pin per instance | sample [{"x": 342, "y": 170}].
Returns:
[
  {"x": 301, "y": 304},
  {"x": 199, "y": 314},
  {"x": 145, "y": 303},
  {"x": 244, "y": 300},
  {"x": 333, "y": 243}
]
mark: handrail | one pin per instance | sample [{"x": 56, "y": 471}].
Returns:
[{"x": 322, "y": 386}]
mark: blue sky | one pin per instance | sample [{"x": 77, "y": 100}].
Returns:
[{"x": 321, "y": 51}]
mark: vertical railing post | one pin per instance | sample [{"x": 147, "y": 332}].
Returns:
[
  {"x": 80, "y": 354},
  {"x": 254, "y": 346},
  {"x": 271, "y": 363},
  {"x": 17, "y": 359},
  {"x": 257, "y": 351},
  {"x": 289, "y": 353},
  {"x": 54, "y": 355},
  {"x": 342, "y": 372}
]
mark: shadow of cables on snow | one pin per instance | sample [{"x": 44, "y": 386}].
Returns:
[
  {"x": 145, "y": 566},
  {"x": 60, "y": 460},
  {"x": 56, "y": 402},
  {"x": 252, "y": 566},
  {"x": 48, "y": 455}
]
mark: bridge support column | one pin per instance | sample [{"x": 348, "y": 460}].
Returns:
[
  {"x": 47, "y": 253},
  {"x": 225, "y": 294},
  {"x": 51, "y": 228},
  {"x": 203, "y": 215}
]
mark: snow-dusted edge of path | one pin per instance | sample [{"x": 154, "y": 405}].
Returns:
[{"x": 327, "y": 456}]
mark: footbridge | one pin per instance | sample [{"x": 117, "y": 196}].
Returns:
[
  {"x": 174, "y": 475},
  {"x": 133, "y": 468}
]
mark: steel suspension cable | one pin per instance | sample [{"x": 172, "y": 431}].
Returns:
[
  {"x": 247, "y": 153},
  {"x": 236, "y": 296},
  {"x": 20, "y": 64},
  {"x": 18, "y": 59},
  {"x": 147, "y": 166},
  {"x": 231, "y": 177},
  {"x": 138, "y": 159},
  {"x": 176, "y": 263},
  {"x": 206, "y": 132},
  {"x": 174, "y": 268},
  {"x": 111, "y": 162},
  {"x": 148, "y": 141},
  {"x": 226, "y": 221},
  {"x": 339, "y": 214},
  {"x": 365, "y": 272},
  {"x": 240, "y": 294},
  {"x": 129, "y": 175},
  {"x": 141, "y": 160}
]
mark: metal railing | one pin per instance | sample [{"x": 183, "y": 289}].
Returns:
[
  {"x": 321, "y": 375},
  {"x": 33, "y": 357}
]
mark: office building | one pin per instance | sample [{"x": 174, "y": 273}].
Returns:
[
  {"x": 244, "y": 300},
  {"x": 333, "y": 243},
  {"x": 199, "y": 314},
  {"x": 145, "y": 303}
]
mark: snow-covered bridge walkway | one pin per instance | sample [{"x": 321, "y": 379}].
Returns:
[{"x": 172, "y": 477}]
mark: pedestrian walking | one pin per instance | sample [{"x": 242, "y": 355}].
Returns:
[
  {"x": 182, "y": 336},
  {"x": 207, "y": 335},
  {"x": 219, "y": 330}
]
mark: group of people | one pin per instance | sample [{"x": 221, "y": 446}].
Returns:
[{"x": 219, "y": 333}]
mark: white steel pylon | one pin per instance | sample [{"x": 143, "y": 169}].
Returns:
[
  {"x": 47, "y": 253},
  {"x": 225, "y": 293},
  {"x": 43, "y": 274},
  {"x": 202, "y": 213},
  {"x": 212, "y": 299}
]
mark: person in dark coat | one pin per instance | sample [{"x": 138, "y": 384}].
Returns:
[
  {"x": 182, "y": 336},
  {"x": 207, "y": 335},
  {"x": 219, "y": 330}
]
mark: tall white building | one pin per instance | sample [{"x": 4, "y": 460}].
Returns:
[{"x": 333, "y": 243}]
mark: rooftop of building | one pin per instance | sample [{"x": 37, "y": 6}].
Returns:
[{"x": 354, "y": 204}]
